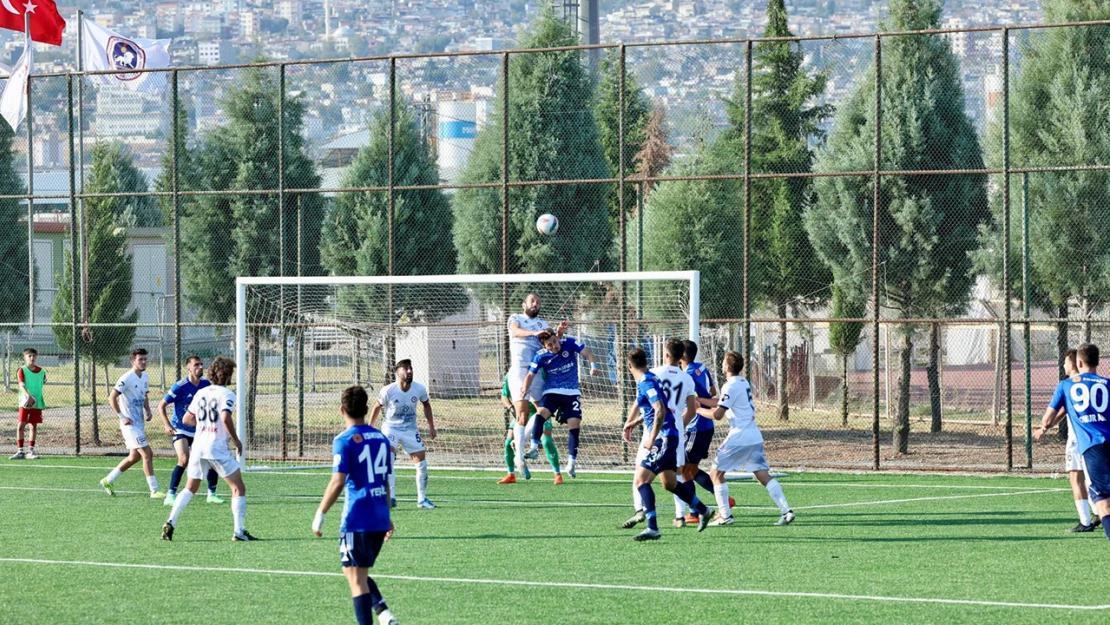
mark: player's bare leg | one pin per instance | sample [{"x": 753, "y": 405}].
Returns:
[
  {"x": 774, "y": 491},
  {"x": 420, "y": 460},
  {"x": 19, "y": 442},
  {"x": 182, "y": 500},
  {"x": 367, "y": 598},
  {"x": 132, "y": 458},
  {"x": 31, "y": 441},
  {"x": 147, "y": 456}
]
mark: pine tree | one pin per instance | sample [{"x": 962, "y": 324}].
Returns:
[
  {"x": 844, "y": 338},
  {"x": 928, "y": 224},
  {"x": 552, "y": 136},
  {"x": 355, "y": 238}
]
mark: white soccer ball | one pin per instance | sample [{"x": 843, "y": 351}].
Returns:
[{"x": 547, "y": 224}]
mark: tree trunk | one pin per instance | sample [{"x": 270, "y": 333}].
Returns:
[
  {"x": 902, "y": 416},
  {"x": 933, "y": 373},
  {"x": 254, "y": 358},
  {"x": 844, "y": 390},
  {"x": 96, "y": 421},
  {"x": 1061, "y": 347},
  {"x": 783, "y": 382}
]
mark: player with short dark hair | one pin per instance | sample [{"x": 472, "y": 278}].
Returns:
[
  {"x": 661, "y": 444},
  {"x": 361, "y": 465},
  {"x": 1086, "y": 397},
  {"x": 180, "y": 396},
  {"x": 561, "y": 396},
  {"x": 133, "y": 387},
  {"x": 399, "y": 401},
  {"x": 699, "y": 433},
  {"x": 32, "y": 380}
]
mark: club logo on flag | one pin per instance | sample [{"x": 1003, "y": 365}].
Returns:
[{"x": 124, "y": 54}]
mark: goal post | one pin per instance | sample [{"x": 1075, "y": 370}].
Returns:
[{"x": 350, "y": 330}]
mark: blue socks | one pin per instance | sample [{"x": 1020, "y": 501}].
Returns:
[
  {"x": 537, "y": 430},
  {"x": 703, "y": 480},
  {"x": 647, "y": 498},
  {"x": 175, "y": 478},
  {"x": 213, "y": 479},
  {"x": 572, "y": 442},
  {"x": 685, "y": 492},
  {"x": 369, "y": 605},
  {"x": 1105, "y": 527}
]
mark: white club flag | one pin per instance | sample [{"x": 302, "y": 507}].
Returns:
[
  {"x": 108, "y": 50},
  {"x": 13, "y": 103}
]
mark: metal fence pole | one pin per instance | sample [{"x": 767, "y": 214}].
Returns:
[
  {"x": 30, "y": 199},
  {"x": 175, "y": 187},
  {"x": 281, "y": 263},
  {"x": 747, "y": 252},
  {"x": 300, "y": 331},
  {"x": 74, "y": 333},
  {"x": 391, "y": 338},
  {"x": 504, "y": 204},
  {"x": 1007, "y": 321},
  {"x": 622, "y": 328},
  {"x": 876, "y": 196},
  {"x": 1025, "y": 313}
]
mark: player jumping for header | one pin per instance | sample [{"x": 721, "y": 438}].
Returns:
[
  {"x": 523, "y": 345},
  {"x": 561, "y": 397}
]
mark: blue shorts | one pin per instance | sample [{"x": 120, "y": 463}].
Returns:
[
  {"x": 179, "y": 436},
  {"x": 663, "y": 455},
  {"x": 1098, "y": 471},
  {"x": 697, "y": 445},
  {"x": 360, "y": 549},
  {"x": 562, "y": 407}
]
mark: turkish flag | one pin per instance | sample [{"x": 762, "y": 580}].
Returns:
[{"x": 46, "y": 23}]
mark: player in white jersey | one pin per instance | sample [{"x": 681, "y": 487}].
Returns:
[
  {"x": 133, "y": 413},
  {"x": 523, "y": 329},
  {"x": 681, "y": 399},
  {"x": 211, "y": 412},
  {"x": 1075, "y": 465},
  {"x": 399, "y": 425},
  {"x": 743, "y": 447}
]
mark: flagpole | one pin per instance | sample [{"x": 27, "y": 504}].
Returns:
[
  {"x": 30, "y": 174},
  {"x": 81, "y": 150}
]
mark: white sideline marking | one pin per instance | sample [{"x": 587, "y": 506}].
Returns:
[
  {"x": 583, "y": 504},
  {"x": 500, "y": 582}
]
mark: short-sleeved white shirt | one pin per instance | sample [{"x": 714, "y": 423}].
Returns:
[
  {"x": 133, "y": 387},
  {"x": 677, "y": 386},
  {"x": 523, "y": 350},
  {"x": 736, "y": 396},
  {"x": 399, "y": 407},
  {"x": 210, "y": 442}
]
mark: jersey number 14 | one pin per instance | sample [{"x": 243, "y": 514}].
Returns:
[{"x": 380, "y": 466}]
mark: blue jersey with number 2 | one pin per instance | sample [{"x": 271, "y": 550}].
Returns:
[
  {"x": 1087, "y": 398},
  {"x": 560, "y": 367},
  {"x": 362, "y": 453}
]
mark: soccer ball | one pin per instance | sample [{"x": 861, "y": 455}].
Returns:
[
  {"x": 547, "y": 224},
  {"x": 29, "y": 402}
]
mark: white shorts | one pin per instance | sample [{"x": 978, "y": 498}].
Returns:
[
  {"x": 1073, "y": 460},
  {"x": 404, "y": 438},
  {"x": 516, "y": 381},
  {"x": 734, "y": 457},
  {"x": 224, "y": 466},
  {"x": 680, "y": 453},
  {"x": 641, "y": 451},
  {"x": 134, "y": 435}
]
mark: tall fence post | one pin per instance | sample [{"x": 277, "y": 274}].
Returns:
[
  {"x": 875, "y": 199},
  {"x": 622, "y": 328},
  {"x": 1025, "y": 314},
  {"x": 175, "y": 199},
  {"x": 30, "y": 200},
  {"x": 747, "y": 251},
  {"x": 1007, "y": 321},
  {"x": 504, "y": 205},
  {"x": 281, "y": 264},
  {"x": 391, "y": 224},
  {"x": 74, "y": 334},
  {"x": 301, "y": 330}
]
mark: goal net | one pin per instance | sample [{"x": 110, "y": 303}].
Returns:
[{"x": 300, "y": 341}]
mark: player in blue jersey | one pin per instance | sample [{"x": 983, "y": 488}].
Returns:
[
  {"x": 661, "y": 444},
  {"x": 1086, "y": 396},
  {"x": 181, "y": 433},
  {"x": 361, "y": 465},
  {"x": 699, "y": 433},
  {"x": 561, "y": 397}
]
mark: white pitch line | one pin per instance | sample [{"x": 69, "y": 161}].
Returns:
[
  {"x": 501, "y": 582},
  {"x": 582, "y": 504}
]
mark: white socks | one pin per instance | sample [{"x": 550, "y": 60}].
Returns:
[
  {"x": 519, "y": 436},
  {"x": 421, "y": 480},
  {"x": 152, "y": 482},
  {"x": 179, "y": 504},
  {"x": 238, "y": 512},
  {"x": 774, "y": 489},
  {"x": 721, "y": 492},
  {"x": 393, "y": 481},
  {"x": 1083, "y": 508},
  {"x": 113, "y": 475}
]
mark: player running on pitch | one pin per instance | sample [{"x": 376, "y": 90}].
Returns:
[
  {"x": 561, "y": 397},
  {"x": 662, "y": 444},
  {"x": 180, "y": 396},
  {"x": 399, "y": 425},
  {"x": 743, "y": 447},
  {"x": 1086, "y": 396},
  {"x": 523, "y": 345},
  {"x": 361, "y": 464},
  {"x": 211, "y": 413},
  {"x": 548, "y": 442}
]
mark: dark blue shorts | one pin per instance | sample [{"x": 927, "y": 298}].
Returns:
[
  {"x": 360, "y": 549},
  {"x": 663, "y": 455},
  {"x": 178, "y": 437},
  {"x": 562, "y": 407},
  {"x": 697, "y": 445},
  {"x": 1098, "y": 471}
]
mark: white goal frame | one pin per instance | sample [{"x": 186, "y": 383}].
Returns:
[{"x": 693, "y": 277}]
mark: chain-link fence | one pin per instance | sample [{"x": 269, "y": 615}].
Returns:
[{"x": 882, "y": 221}]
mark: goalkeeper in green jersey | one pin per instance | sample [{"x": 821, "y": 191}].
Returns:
[{"x": 548, "y": 442}]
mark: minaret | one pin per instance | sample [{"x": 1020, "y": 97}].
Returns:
[{"x": 327, "y": 20}]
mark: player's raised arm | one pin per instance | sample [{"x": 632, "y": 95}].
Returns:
[
  {"x": 516, "y": 332},
  {"x": 594, "y": 369}
]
